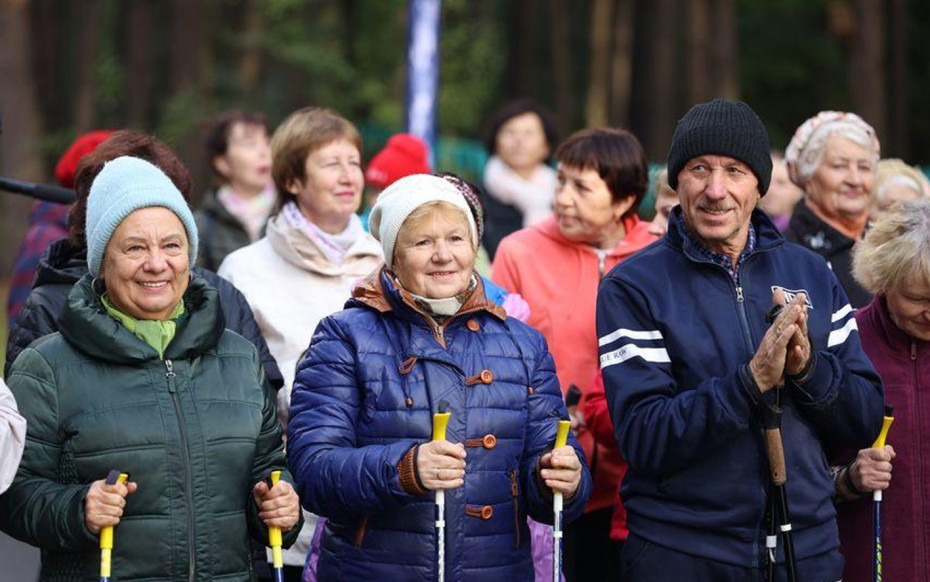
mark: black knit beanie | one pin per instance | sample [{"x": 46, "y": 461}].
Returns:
[{"x": 724, "y": 128}]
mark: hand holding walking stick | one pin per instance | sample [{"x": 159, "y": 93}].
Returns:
[
  {"x": 877, "y": 497},
  {"x": 561, "y": 438},
  {"x": 440, "y": 423},
  {"x": 106, "y": 534},
  {"x": 274, "y": 537}
]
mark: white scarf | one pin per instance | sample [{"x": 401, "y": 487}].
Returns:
[
  {"x": 252, "y": 212},
  {"x": 333, "y": 246},
  {"x": 534, "y": 198}
]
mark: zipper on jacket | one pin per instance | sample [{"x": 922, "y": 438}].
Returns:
[
  {"x": 189, "y": 496},
  {"x": 515, "y": 493},
  {"x": 743, "y": 318}
]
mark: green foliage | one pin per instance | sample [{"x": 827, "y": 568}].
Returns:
[
  {"x": 790, "y": 65},
  {"x": 473, "y": 60}
]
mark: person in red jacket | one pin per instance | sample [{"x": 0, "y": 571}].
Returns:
[
  {"x": 556, "y": 266},
  {"x": 893, "y": 262}
]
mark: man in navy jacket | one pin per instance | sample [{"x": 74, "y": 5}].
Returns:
[{"x": 689, "y": 362}]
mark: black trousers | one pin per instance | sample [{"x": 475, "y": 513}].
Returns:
[
  {"x": 588, "y": 553},
  {"x": 644, "y": 561}
]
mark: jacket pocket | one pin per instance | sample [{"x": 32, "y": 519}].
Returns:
[{"x": 515, "y": 493}]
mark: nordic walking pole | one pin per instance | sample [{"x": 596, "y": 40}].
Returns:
[
  {"x": 440, "y": 423},
  {"x": 274, "y": 538},
  {"x": 877, "y": 497},
  {"x": 771, "y": 419},
  {"x": 106, "y": 534},
  {"x": 561, "y": 438}
]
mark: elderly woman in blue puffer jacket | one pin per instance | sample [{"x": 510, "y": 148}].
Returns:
[{"x": 420, "y": 335}]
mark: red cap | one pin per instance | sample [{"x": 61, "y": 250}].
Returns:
[
  {"x": 404, "y": 155},
  {"x": 67, "y": 166}
]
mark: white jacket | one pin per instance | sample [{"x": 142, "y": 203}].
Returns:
[
  {"x": 290, "y": 286},
  {"x": 12, "y": 437}
]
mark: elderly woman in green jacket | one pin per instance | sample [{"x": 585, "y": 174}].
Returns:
[{"x": 144, "y": 378}]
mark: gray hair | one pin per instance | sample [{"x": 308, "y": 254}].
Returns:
[
  {"x": 810, "y": 158},
  {"x": 896, "y": 248}
]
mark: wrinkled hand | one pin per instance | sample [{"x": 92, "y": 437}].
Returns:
[
  {"x": 104, "y": 503},
  {"x": 278, "y": 506},
  {"x": 799, "y": 346},
  {"x": 561, "y": 470},
  {"x": 872, "y": 469},
  {"x": 441, "y": 465},
  {"x": 768, "y": 365}
]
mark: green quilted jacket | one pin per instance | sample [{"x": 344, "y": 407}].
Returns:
[{"x": 195, "y": 431}]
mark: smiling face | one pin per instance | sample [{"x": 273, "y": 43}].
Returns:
[
  {"x": 717, "y": 196},
  {"x": 842, "y": 184},
  {"x": 145, "y": 267},
  {"x": 246, "y": 165},
  {"x": 331, "y": 191},
  {"x": 909, "y": 307},
  {"x": 584, "y": 207},
  {"x": 434, "y": 255}
]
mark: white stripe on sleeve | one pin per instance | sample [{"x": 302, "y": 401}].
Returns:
[
  {"x": 657, "y": 355},
  {"x": 636, "y": 335},
  {"x": 841, "y": 313},
  {"x": 838, "y": 336}
]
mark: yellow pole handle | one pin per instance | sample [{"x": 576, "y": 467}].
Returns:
[
  {"x": 886, "y": 424},
  {"x": 274, "y": 532},
  {"x": 440, "y": 423},
  {"x": 106, "y": 540},
  {"x": 561, "y": 435}
]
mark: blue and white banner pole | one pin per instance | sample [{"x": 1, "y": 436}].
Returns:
[{"x": 423, "y": 71}]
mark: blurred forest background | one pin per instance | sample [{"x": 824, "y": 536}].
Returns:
[{"x": 67, "y": 66}]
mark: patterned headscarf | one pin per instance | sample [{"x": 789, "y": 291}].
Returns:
[{"x": 805, "y": 147}]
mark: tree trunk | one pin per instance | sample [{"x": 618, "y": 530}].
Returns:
[
  {"x": 523, "y": 47},
  {"x": 698, "y": 75},
  {"x": 867, "y": 83},
  {"x": 139, "y": 57},
  {"x": 658, "y": 107},
  {"x": 900, "y": 124},
  {"x": 187, "y": 45},
  {"x": 46, "y": 44},
  {"x": 726, "y": 50},
  {"x": 250, "y": 63},
  {"x": 19, "y": 154},
  {"x": 621, "y": 68},
  {"x": 599, "y": 85},
  {"x": 88, "y": 37},
  {"x": 562, "y": 64}
]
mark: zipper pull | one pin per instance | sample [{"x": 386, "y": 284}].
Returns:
[
  {"x": 169, "y": 365},
  {"x": 913, "y": 351},
  {"x": 513, "y": 483},
  {"x": 739, "y": 294}
]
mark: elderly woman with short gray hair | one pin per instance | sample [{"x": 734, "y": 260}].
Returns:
[
  {"x": 893, "y": 262},
  {"x": 832, "y": 157}
]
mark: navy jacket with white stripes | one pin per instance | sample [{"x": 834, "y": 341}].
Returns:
[{"x": 675, "y": 334}]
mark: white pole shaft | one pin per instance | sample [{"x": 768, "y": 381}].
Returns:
[
  {"x": 557, "y": 536},
  {"x": 441, "y": 533}
]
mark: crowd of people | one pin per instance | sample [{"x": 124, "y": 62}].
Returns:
[{"x": 719, "y": 363}]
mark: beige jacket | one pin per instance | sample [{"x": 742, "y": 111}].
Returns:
[{"x": 290, "y": 286}]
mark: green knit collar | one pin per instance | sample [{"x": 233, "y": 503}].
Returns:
[{"x": 156, "y": 333}]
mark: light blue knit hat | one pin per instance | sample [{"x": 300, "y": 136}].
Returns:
[{"x": 123, "y": 186}]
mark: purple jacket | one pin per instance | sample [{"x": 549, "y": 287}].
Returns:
[
  {"x": 48, "y": 222},
  {"x": 904, "y": 365}
]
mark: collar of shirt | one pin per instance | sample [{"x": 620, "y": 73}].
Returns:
[{"x": 720, "y": 258}]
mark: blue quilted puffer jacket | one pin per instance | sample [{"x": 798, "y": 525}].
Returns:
[{"x": 373, "y": 377}]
